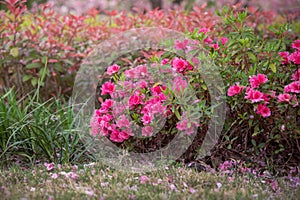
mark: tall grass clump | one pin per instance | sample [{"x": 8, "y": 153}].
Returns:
[{"x": 32, "y": 131}]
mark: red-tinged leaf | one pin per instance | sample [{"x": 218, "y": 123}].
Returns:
[
  {"x": 204, "y": 5},
  {"x": 52, "y": 61},
  {"x": 11, "y": 2},
  {"x": 126, "y": 60},
  {"x": 111, "y": 13},
  {"x": 36, "y": 60},
  {"x": 146, "y": 55}
]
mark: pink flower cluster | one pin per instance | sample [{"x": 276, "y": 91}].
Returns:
[
  {"x": 113, "y": 69},
  {"x": 140, "y": 71},
  {"x": 181, "y": 65},
  {"x": 102, "y": 123},
  {"x": 188, "y": 45},
  {"x": 291, "y": 90},
  {"x": 256, "y": 96},
  {"x": 294, "y": 57},
  {"x": 142, "y": 97},
  {"x": 187, "y": 124}
]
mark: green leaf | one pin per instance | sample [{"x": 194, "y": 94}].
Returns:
[
  {"x": 177, "y": 114},
  {"x": 256, "y": 131},
  {"x": 26, "y": 77},
  {"x": 44, "y": 59},
  {"x": 273, "y": 67},
  {"x": 226, "y": 137},
  {"x": 189, "y": 124},
  {"x": 14, "y": 52},
  {"x": 253, "y": 142},
  {"x": 34, "y": 81},
  {"x": 252, "y": 56},
  {"x": 33, "y": 65},
  {"x": 204, "y": 87}
]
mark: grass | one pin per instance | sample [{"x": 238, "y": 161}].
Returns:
[
  {"x": 100, "y": 182},
  {"x": 31, "y": 130}
]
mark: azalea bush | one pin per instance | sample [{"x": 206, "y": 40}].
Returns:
[
  {"x": 263, "y": 91},
  {"x": 144, "y": 106}
]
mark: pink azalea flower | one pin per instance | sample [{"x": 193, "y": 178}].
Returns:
[
  {"x": 142, "y": 84},
  {"x": 123, "y": 122},
  {"x": 108, "y": 103},
  {"x": 116, "y": 136},
  {"x": 95, "y": 126},
  {"x": 254, "y": 95},
  {"x": 102, "y": 128},
  {"x": 108, "y": 88},
  {"x": 179, "y": 64},
  {"x": 162, "y": 97},
  {"x": 147, "y": 131},
  {"x": 157, "y": 108},
  {"x": 128, "y": 85},
  {"x": 113, "y": 69},
  {"x": 295, "y": 57},
  {"x": 195, "y": 61},
  {"x": 203, "y": 30},
  {"x": 208, "y": 40},
  {"x": 130, "y": 73},
  {"x": 134, "y": 100},
  {"x": 215, "y": 46},
  {"x": 256, "y": 81},
  {"x": 107, "y": 117},
  {"x": 142, "y": 70},
  {"x": 190, "y": 67},
  {"x": 234, "y": 90},
  {"x": 147, "y": 108},
  {"x": 292, "y": 87},
  {"x": 263, "y": 110},
  {"x": 284, "y": 97},
  {"x": 124, "y": 135},
  {"x": 182, "y": 125},
  {"x": 181, "y": 45},
  {"x": 296, "y": 45},
  {"x": 284, "y": 56},
  {"x": 119, "y": 108},
  {"x": 102, "y": 110},
  {"x": 146, "y": 119},
  {"x": 266, "y": 98},
  {"x": 224, "y": 40},
  {"x": 179, "y": 85},
  {"x": 157, "y": 89},
  {"x": 165, "y": 61},
  {"x": 296, "y": 75}
]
